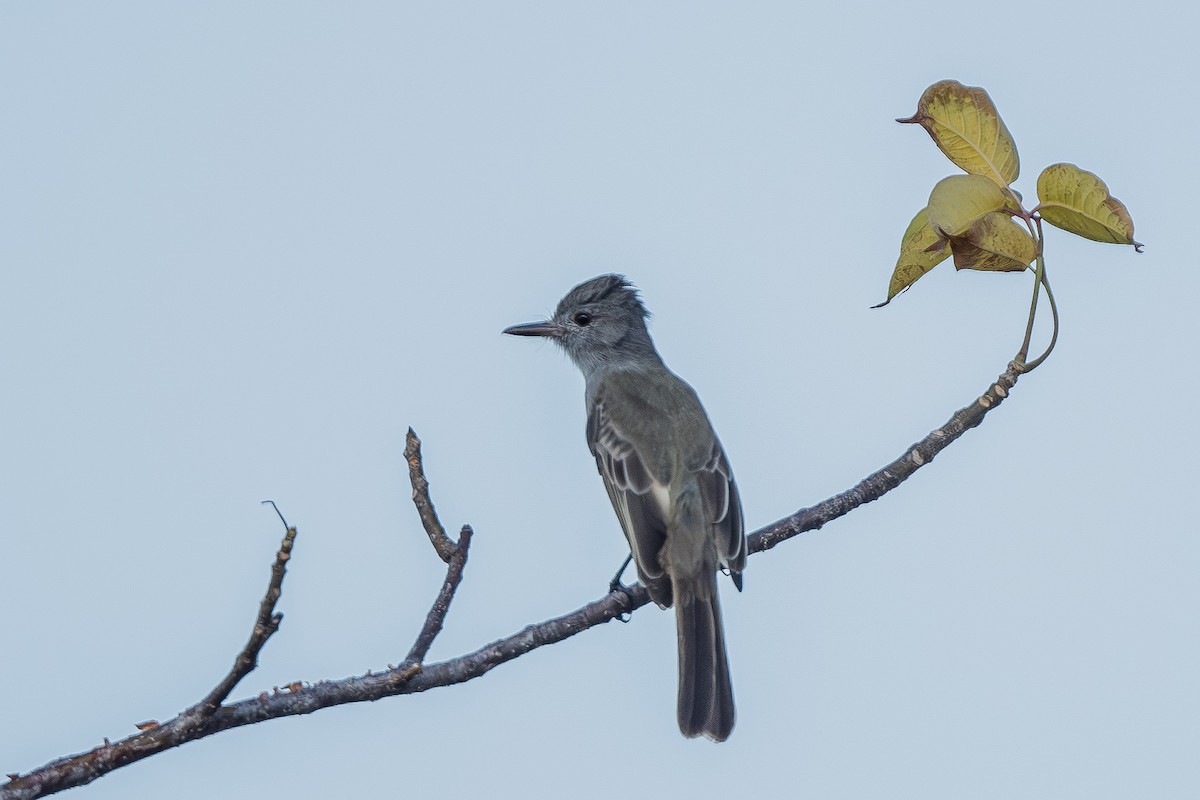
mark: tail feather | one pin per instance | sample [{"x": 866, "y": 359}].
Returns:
[{"x": 705, "y": 690}]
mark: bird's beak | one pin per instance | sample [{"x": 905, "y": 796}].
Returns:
[{"x": 547, "y": 328}]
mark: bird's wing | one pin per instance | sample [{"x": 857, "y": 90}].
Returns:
[
  {"x": 723, "y": 509},
  {"x": 638, "y": 497}
]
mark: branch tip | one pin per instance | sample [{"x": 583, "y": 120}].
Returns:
[
  {"x": 266, "y": 624},
  {"x": 277, "y": 511},
  {"x": 442, "y": 543}
]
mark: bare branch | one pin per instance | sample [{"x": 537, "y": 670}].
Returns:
[
  {"x": 437, "y": 614},
  {"x": 410, "y": 677},
  {"x": 153, "y": 737},
  {"x": 879, "y": 483},
  {"x": 265, "y": 627},
  {"x": 429, "y": 519}
]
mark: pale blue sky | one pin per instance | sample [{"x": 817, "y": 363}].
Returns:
[{"x": 244, "y": 246}]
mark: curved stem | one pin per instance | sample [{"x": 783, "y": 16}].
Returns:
[
  {"x": 1054, "y": 335},
  {"x": 1037, "y": 284},
  {"x": 1039, "y": 278}
]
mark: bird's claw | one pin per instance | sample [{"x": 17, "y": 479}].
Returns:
[{"x": 616, "y": 587}]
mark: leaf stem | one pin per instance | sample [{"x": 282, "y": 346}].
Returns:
[
  {"x": 1038, "y": 276},
  {"x": 1053, "y": 336},
  {"x": 1040, "y": 279}
]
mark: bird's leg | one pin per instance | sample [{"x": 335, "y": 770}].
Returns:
[{"x": 615, "y": 585}]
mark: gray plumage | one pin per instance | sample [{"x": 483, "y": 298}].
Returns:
[{"x": 667, "y": 477}]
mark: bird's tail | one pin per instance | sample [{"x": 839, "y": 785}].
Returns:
[{"x": 705, "y": 691}]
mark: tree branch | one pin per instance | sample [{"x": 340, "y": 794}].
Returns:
[
  {"x": 882, "y": 481},
  {"x": 264, "y": 627},
  {"x": 209, "y": 716},
  {"x": 429, "y": 519},
  {"x": 437, "y": 614}
]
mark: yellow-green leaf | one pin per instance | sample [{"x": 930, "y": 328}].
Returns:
[
  {"x": 964, "y": 124},
  {"x": 918, "y": 255},
  {"x": 1078, "y": 201},
  {"x": 995, "y": 244},
  {"x": 958, "y": 202}
]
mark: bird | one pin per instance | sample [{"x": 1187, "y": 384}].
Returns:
[{"x": 668, "y": 478}]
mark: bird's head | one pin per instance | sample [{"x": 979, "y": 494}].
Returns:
[{"x": 600, "y": 322}]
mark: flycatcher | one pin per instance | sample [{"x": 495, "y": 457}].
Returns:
[{"x": 667, "y": 477}]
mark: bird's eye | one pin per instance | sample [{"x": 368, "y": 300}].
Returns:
[{"x": 582, "y": 319}]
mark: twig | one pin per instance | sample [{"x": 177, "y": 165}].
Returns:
[
  {"x": 264, "y": 627},
  {"x": 437, "y": 614},
  {"x": 429, "y": 519},
  {"x": 879, "y": 483},
  {"x": 411, "y": 678},
  {"x": 82, "y": 769},
  {"x": 153, "y": 737}
]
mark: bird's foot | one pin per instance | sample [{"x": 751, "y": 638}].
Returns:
[{"x": 616, "y": 587}]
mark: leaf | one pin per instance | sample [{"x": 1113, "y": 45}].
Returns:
[
  {"x": 1078, "y": 202},
  {"x": 994, "y": 244},
  {"x": 958, "y": 202},
  {"x": 964, "y": 124},
  {"x": 919, "y": 253}
]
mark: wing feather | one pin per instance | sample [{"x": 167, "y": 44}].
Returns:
[
  {"x": 636, "y": 497},
  {"x": 723, "y": 509}
]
